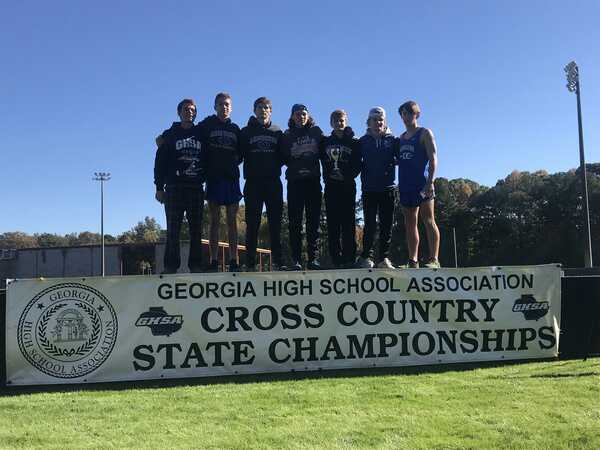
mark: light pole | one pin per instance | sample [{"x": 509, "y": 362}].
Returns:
[
  {"x": 573, "y": 85},
  {"x": 455, "y": 252},
  {"x": 102, "y": 177}
]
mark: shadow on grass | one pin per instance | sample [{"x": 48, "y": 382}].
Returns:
[
  {"x": 260, "y": 378},
  {"x": 564, "y": 375},
  {"x": 561, "y": 365}
]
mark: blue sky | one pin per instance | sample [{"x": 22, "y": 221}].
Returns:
[{"x": 85, "y": 86}]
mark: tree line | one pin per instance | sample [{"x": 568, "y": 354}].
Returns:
[{"x": 526, "y": 218}]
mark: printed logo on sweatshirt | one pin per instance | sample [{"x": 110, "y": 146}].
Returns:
[
  {"x": 223, "y": 139},
  {"x": 189, "y": 142},
  {"x": 263, "y": 143},
  {"x": 304, "y": 147},
  {"x": 338, "y": 152}
]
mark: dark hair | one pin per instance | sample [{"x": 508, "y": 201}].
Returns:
[
  {"x": 185, "y": 101},
  {"x": 262, "y": 100},
  {"x": 222, "y": 95},
  {"x": 309, "y": 123},
  {"x": 409, "y": 106}
]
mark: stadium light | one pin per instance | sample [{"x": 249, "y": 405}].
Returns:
[
  {"x": 573, "y": 85},
  {"x": 102, "y": 177}
]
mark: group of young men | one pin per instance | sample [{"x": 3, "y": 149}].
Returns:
[{"x": 211, "y": 151}]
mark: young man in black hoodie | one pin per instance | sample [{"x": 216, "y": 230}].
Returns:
[
  {"x": 260, "y": 145},
  {"x": 179, "y": 171},
  {"x": 221, "y": 138},
  {"x": 340, "y": 158},
  {"x": 301, "y": 143}
]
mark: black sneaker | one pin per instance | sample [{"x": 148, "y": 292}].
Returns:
[
  {"x": 213, "y": 266},
  {"x": 313, "y": 264},
  {"x": 234, "y": 266},
  {"x": 296, "y": 265},
  {"x": 410, "y": 264},
  {"x": 168, "y": 271},
  {"x": 196, "y": 269}
]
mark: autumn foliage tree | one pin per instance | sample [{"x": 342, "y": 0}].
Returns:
[{"x": 526, "y": 218}]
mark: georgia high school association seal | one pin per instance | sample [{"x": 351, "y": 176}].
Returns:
[{"x": 67, "y": 330}]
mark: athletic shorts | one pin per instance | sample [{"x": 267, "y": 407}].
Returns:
[
  {"x": 412, "y": 199},
  {"x": 223, "y": 192}
]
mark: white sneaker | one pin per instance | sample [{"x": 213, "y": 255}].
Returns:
[
  {"x": 385, "y": 264},
  {"x": 365, "y": 263}
]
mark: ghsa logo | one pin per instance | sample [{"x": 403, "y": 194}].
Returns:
[
  {"x": 159, "y": 322},
  {"x": 531, "y": 309}
]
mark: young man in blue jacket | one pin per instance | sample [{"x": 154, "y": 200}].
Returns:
[
  {"x": 416, "y": 152},
  {"x": 377, "y": 148},
  {"x": 179, "y": 174},
  {"x": 340, "y": 158}
]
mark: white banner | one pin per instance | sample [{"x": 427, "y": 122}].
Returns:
[{"x": 80, "y": 330}]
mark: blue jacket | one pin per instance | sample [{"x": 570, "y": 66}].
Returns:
[{"x": 378, "y": 162}]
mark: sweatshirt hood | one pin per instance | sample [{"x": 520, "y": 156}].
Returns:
[
  {"x": 348, "y": 133},
  {"x": 254, "y": 123},
  {"x": 214, "y": 119},
  {"x": 388, "y": 132}
]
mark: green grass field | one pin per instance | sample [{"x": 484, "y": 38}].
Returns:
[{"x": 541, "y": 405}]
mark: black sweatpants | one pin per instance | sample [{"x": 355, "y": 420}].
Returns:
[
  {"x": 304, "y": 195},
  {"x": 180, "y": 200},
  {"x": 340, "y": 205},
  {"x": 259, "y": 191},
  {"x": 378, "y": 205}
]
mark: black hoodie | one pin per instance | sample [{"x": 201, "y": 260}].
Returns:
[
  {"x": 221, "y": 140},
  {"x": 260, "y": 147},
  {"x": 301, "y": 152},
  {"x": 348, "y": 159},
  {"x": 180, "y": 159}
]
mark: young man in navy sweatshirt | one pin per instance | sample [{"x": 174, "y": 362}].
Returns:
[
  {"x": 377, "y": 148},
  {"x": 179, "y": 174},
  {"x": 301, "y": 143},
  {"x": 260, "y": 146},
  {"x": 340, "y": 158},
  {"x": 221, "y": 137}
]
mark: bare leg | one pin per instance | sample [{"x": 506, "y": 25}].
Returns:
[
  {"x": 213, "y": 235},
  {"x": 232, "y": 231},
  {"x": 412, "y": 232},
  {"x": 433, "y": 233}
]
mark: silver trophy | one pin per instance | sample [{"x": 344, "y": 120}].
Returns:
[{"x": 336, "y": 174}]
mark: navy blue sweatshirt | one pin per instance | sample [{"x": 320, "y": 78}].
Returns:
[
  {"x": 378, "y": 161},
  {"x": 301, "y": 152},
  {"x": 347, "y": 150},
  {"x": 260, "y": 148},
  {"x": 180, "y": 159},
  {"x": 221, "y": 141}
]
